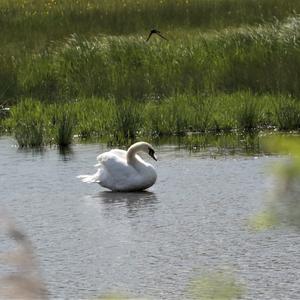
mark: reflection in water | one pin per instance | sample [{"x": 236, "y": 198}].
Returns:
[
  {"x": 132, "y": 197},
  {"x": 33, "y": 151},
  {"x": 90, "y": 242},
  {"x": 134, "y": 201},
  {"x": 66, "y": 153},
  {"x": 224, "y": 144},
  {"x": 218, "y": 144}
]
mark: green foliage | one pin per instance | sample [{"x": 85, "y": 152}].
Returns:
[
  {"x": 9, "y": 86},
  {"x": 216, "y": 286},
  {"x": 121, "y": 120},
  {"x": 94, "y": 117},
  {"x": 288, "y": 114},
  {"x": 124, "y": 87},
  {"x": 248, "y": 114},
  {"x": 127, "y": 120},
  {"x": 263, "y": 220},
  {"x": 63, "y": 119},
  {"x": 36, "y": 125},
  {"x": 33, "y": 22},
  {"x": 178, "y": 115},
  {"x": 283, "y": 203},
  {"x": 261, "y": 59},
  {"x": 57, "y": 62},
  {"x": 28, "y": 123},
  {"x": 37, "y": 76}
]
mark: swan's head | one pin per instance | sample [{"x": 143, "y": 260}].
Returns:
[
  {"x": 151, "y": 152},
  {"x": 141, "y": 146}
]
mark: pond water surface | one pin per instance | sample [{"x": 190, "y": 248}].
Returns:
[{"x": 90, "y": 242}]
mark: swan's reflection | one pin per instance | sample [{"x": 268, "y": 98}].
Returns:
[{"x": 134, "y": 201}]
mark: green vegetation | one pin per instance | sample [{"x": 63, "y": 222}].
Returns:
[
  {"x": 283, "y": 204},
  {"x": 88, "y": 70},
  {"x": 33, "y": 23},
  {"x": 35, "y": 124},
  {"x": 217, "y": 286},
  {"x": 262, "y": 59},
  {"x": 28, "y": 123}
]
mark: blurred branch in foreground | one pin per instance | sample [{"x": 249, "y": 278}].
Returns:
[
  {"x": 218, "y": 285},
  {"x": 24, "y": 281},
  {"x": 283, "y": 205}
]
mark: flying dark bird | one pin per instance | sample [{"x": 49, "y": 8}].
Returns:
[{"x": 154, "y": 31}]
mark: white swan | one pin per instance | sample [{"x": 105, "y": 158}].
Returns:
[{"x": 124, "y": 171}]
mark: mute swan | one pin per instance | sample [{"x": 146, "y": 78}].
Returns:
[{"x": 124, "y": 171}]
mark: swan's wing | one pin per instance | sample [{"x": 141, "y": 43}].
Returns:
[
  {"x": 116, "y": 160},
  {"x": 116, "y": 173},
  {"x": 119, "y": 152},
  {"x": 112, "y": 154},
  {"x": 114, "y": 163},
  {"x": 102, "y": 173},
  {"x": 95, "y": 178}
]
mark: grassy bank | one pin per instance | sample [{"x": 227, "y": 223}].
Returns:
[
  {"x": 35, "y": 123},
  {"x": 32, "y": 23},
  {"x": 262, "y": 59},
  {"x": 227, "y": 65}
]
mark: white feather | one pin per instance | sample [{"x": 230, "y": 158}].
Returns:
[{"x": 121, "y": 170}]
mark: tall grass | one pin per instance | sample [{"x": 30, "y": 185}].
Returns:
[
  {"x": 248, "y": 115},
  {"x": 28, "y": 123},
  {"x": 94, "y": 117},
  {"x": 288, "y": 114},
  {"x": 127, "y": 120},
  {"x": 262, "y": 59},
  {"x": 238, "y": 72},
  {"x": 33, "y": 23},
  {"x": 63, "y": 122},
  {"x": 35, "y": 124},
  {"x": 72, "y": 57}
]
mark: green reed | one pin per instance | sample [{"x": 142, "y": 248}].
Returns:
[
  {"x": 248, "y": 115},
  {"x": 63, "y": 121},
  {"x": 33, "y": 23},
  {"x": 288, "y": 114},
  {"x": 95, "y": 117},
  {"x": 262, "y": 59},
  {"x": 35, "y": 123},
  {"x": 28, "y": 123},
  {"x": 127, "y": 119}
]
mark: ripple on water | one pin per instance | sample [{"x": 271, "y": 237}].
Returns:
[{"x": 90, "y": 241}]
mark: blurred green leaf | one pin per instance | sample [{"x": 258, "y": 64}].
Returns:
[
  {"x": 216, "y": 286},
  {"x": 283, "y": 206},
  {"x": 263, "y": 220}
]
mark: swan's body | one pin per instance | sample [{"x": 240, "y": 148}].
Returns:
[{"x": 124, "y": 171}]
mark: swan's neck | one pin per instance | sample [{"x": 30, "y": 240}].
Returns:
[{"x": 131, "y": 152}]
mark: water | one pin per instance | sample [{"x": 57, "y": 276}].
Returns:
[{"x": 194, "y": 219}]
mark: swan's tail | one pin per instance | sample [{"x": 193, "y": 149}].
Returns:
[{"x": 95, "y": 178}]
